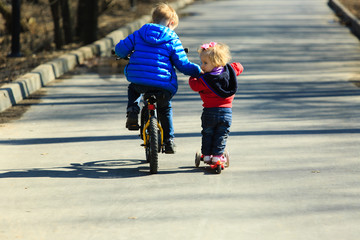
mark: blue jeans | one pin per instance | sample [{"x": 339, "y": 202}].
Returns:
[
  {"x": 163, "y": 106},
  {"x": 215, "y": 123}
]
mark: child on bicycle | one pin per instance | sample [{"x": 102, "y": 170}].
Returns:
[
  {"x": 217, "y": 88},
  {"x": 155, "y": 50}
]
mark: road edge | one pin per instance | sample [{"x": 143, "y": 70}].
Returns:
[{"x": 346, "y": 16}]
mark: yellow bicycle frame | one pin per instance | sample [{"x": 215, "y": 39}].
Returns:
[{"x": 146, "y": 136}]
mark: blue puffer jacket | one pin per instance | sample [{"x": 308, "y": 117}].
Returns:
[{"x": 156, "y": 51}]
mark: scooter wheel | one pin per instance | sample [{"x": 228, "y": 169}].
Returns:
[
  {"x": 218, "y": 169},
  {"x": 227, "y": 163},
  {"x": 197, "y": 159}
]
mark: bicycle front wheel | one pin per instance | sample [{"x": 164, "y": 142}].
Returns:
[{"x": 153, "y": 145}]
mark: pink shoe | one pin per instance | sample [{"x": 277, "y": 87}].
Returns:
[{"x": 216, "y": 158}]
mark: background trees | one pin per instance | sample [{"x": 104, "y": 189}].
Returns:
[
  {"x": 71, "y": 21},
  {"x": 38, "y": 39},
  {"x": 87, "y": 20}
]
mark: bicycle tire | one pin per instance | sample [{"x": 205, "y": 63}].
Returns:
[
  {"x": 147, "y": 154},
  {"x": 153, "y": 145},
  {"x": 159, "y": 141}
]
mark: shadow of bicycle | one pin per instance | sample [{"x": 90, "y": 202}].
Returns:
[{"x": 103, "y": 169}]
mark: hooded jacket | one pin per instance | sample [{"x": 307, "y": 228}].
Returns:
[
  {"x": 218, "y": 90},
  {"x": 155, "y": 51}
]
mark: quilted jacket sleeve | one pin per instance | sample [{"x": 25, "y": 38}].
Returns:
[
  {"x": 126, "y": 46},
  {"x": 181, "y": 61}
]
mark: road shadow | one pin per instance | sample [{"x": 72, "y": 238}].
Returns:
[
  {"x": 61, "y": 140},
  {"x": 205, "y": 169},
  {"x": 39, "y": 141},
  {"x": 104, "y": 169}
]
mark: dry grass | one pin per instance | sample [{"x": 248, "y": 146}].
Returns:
[{"x": 353, "y": 6}]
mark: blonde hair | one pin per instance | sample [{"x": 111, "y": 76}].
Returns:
[
  {"x": 163, "y": 12},
  {"x": 218, "y": 54}
]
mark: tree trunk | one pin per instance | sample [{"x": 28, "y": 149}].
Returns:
[
  {"x": 55, "y": 11},
  {"x": 87, "y": 24},
  {"x": 15, "y": 31},
  {"x": 132, "y": 4},
  {"x": 7, "y": 15},
  {"x": 67, "y": 21}
]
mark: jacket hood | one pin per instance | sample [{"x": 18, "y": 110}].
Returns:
[
  {"x": 156, "y": 33},
  {"x": 224, "y": 85}
]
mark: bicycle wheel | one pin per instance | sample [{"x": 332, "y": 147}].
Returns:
[
  {"x": 159, "y": 141},
  {"x": 147, "y": 153},
  {"x": 153, "y": 145}
]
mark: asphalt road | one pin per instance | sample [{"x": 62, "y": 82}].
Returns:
[{"x": 70, "y": 170}]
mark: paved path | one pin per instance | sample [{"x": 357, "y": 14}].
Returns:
[{"x": 70, "y": 170}]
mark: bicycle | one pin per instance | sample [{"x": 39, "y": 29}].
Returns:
[{"x": 151, "y": 131}]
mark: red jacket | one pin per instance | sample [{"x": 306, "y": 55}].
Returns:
[{"x": 217, "y": 90}]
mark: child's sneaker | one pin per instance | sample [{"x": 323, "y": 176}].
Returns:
[
  {"x": 207, "y": 159},
  {"x": 216, "y": 158},
  {"x": 132, "y": 121},
  {"x": 170, "y": 146}
]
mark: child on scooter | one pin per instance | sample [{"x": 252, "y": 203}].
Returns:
[
  {"x": 217, "y": 88},
  {"x": 155, "y": 50}
]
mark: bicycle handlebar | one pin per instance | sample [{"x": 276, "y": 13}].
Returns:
[{"x": 118, "y": 58}]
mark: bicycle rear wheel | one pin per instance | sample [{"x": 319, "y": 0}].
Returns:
[{"x": 153, "y": 145}]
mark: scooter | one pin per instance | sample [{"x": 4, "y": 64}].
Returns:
[{"x": 217, "y": 166}]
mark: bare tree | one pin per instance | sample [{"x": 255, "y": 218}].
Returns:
[
  {"x": 7, "y": 15},
  {"x": 132, "y": 4},
  {"x": 56, "y": 15},
  {"x": 87, "y": 20},
  {"x": 67, "y": 21}
]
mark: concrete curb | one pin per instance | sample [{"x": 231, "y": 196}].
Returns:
[
  {"x": 346, "y": 16},
  {"x": 13, "y": 93}
]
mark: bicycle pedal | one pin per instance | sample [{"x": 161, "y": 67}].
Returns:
[{"x": 133, "y": 127}]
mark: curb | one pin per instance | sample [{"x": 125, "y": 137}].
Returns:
[
  {"x": 346, "y": 16},
  {"x": 14, "y": 92}
]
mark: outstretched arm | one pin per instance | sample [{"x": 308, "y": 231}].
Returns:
[
  {"x": 182, "y": 63},
  {"x": 125, "y": 47}
]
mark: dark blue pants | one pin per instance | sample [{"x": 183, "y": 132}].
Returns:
[
  {"x": 215, "y": 123},
  {"x": 163, "y": 106}
]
